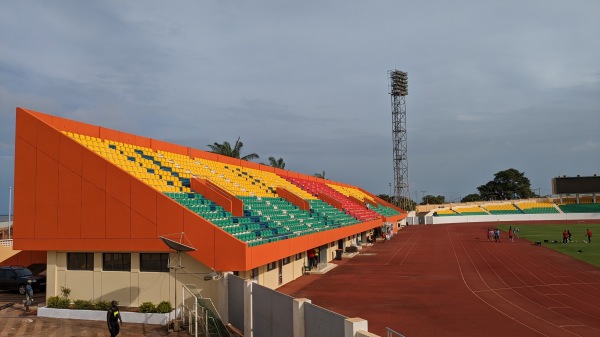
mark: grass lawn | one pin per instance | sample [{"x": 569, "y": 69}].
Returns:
[{"x": 590, "y": 252}]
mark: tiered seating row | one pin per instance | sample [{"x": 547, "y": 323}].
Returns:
[
  {"x": 380, "y": 209},
  {"x": 536, "y": 207},
  {"x": 580, "y": 208},
  {"x": 383, "y": 210},
  {"x": 267, "y": 217},
  {"x": 502, "y": 209},
  {"x": 316, "y": 188},
  {"x": 472, "y": 210},
  {"x": 133, "y": 160},
  {"x": 524, "y": 207},
  {"x": 445, "y": 212}
]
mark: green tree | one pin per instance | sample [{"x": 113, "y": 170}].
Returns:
[
  {"x": 507, "y": 184},
  {"x": 225, "y": 149},
  {"x": 320, "y": 175},
  {"x": 433, "y": 200},
  {"x": 385, "y": 197},
  {"x": 410, "y": 205},
  {"x": 278, "y": 163},
  {"x": 471, "y": 197}
]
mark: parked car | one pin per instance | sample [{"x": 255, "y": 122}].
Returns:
[{"x": 15, "y": 278}]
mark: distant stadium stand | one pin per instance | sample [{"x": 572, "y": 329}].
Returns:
[
  {"x": 507, "y": 208},
  {"x": 534, "y": 207},
  {"x": 470, "y": 210}
]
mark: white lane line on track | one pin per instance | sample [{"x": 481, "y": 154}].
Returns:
[
  {"x": 516, "y": 305},
  {"x": 414, "y": 242},
  {"x": 516, "y": 263},
  {"x": 480, "y": 298},
  {"x": 554, "y": 286},
  {"x": 560, "y": 304},
  {"x": 546, "y": 267}
]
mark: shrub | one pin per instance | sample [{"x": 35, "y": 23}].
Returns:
[
  {"x": 164, "y": 307},
  {"x": 147, "y": 307},
  {"x": 57, "y": 302},
  {"x": 84, "y": 305},
  {"x": 65, "y": 291},
  {"x": 102, "y": 305}
]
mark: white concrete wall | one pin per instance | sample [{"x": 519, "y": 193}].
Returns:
[{"x": 129, "y": 288}]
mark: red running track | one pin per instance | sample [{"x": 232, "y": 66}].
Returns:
[{"x": 448, "y": 280}]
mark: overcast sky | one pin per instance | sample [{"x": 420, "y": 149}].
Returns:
[{"x": 492, "y": 84}]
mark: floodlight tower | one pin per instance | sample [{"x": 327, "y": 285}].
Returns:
[{"x": 398, "y": 85}]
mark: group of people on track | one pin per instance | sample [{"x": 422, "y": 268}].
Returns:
[
  {"x": 493, "y": 234},
  {"x": 567, "y": 236}
]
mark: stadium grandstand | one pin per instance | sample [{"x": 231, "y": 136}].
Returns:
[
  {"x": 93, "y": 204},
  {"x": 551, "y": 208}
]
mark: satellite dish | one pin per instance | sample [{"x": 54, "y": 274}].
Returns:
[{"x": 179, "y": 247}]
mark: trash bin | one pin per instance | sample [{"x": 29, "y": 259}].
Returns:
[{"x": 338, "y": 254}]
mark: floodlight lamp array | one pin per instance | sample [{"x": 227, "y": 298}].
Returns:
[{"x": 399, "y": 83}]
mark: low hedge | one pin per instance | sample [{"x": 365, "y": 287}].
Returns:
[{"x": 58, "y": 302}]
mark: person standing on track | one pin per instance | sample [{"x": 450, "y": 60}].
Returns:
[
  {"x": 497, "y": 235},
  {"x": 510, "y": 234},
  {"x": 565, "y": 236}
]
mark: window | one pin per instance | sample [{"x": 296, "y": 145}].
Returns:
[
  {"x": 158, "y": 262},
  {"x": 298, "y": 256},
  {"x": 116, "y": 262},
  {"x": 271, "y": 266},
  {"x": 286, "y": 260},
  {"x": 80, "y": 261}
]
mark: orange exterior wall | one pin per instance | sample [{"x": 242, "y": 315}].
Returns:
[
  {"x": 25, "y": 258},
  {"x": 331, "y": 201},
  {"x": 221, "y": 197},
  {"x": 68, "y": 198},
  {"x": 294, "y": 199}
]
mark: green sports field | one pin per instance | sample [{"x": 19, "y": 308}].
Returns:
[{"x": 590, "y": 252}]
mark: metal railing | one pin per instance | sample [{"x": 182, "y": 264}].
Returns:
[
  {"x": 6, "y": 242},
  {"x": 189, "y": 313},
  {"x": 200, "y": 315},
  {"x": 392, "y": 333}
]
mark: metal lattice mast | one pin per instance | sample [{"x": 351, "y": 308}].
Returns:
[{"x": 398, "y": 91}]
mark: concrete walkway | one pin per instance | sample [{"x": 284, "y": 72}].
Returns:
[{"x": 14, "y": 321}]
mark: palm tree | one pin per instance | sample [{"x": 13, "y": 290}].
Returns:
[
  {"x": 278, "y": 163},
  {"x": 225, "y": 149}
]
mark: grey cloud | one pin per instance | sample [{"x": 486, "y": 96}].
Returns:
[{"x": 491, "y": 85}]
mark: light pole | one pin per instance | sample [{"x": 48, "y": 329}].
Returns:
[
  {"x": 423, "y": 198},
  {"x": 390, "y": 192},
  {"x": 9, "y": 208}
]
